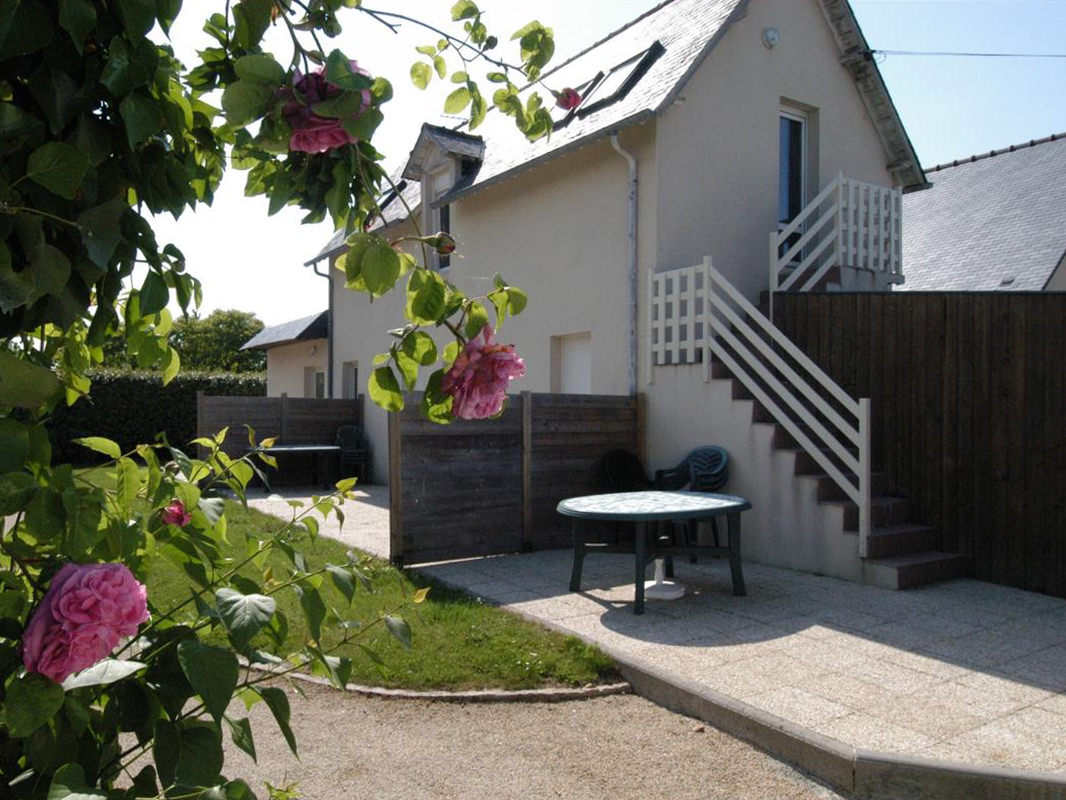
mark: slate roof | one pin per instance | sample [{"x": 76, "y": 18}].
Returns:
[
  {"x": 395, "y": 207},
  {"x": 315, "y": 326},
  {"x": 988, "y": 219},
  {"x": 687, "y": 31}
]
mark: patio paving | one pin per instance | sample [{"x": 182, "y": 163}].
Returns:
[{"x": 962, "y": 671}]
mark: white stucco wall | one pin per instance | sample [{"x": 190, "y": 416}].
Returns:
[
  {"x": 717, "y": 148},
  {"x": 286, "y": 363}
]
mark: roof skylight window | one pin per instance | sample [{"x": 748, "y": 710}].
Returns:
[{"x": 612, "y": 85}]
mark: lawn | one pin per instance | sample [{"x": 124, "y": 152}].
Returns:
[{"x": 458, "y": 641}]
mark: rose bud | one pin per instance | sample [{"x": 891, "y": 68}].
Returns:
[{"x": 568, "y": 99}]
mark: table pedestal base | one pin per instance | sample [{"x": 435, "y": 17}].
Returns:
[{"x": 660, "y": 589}]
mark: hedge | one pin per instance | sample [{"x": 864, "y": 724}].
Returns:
[{"x": 134, "y": 407}]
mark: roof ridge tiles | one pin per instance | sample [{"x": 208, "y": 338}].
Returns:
[{"x": 1009, "y": 149}]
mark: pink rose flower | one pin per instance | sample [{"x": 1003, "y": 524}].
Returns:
[
  {"x": 568, "y": 99},
  {"x": 87, "y": 610},
  {"x": 477, "y": 381},
  {"x": 175, "y": 514},
  {"x": 312, "y": 133}
]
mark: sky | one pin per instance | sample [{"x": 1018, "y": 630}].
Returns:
[{"x": 952, "y": 107}]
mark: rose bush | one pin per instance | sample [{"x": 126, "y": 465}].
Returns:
[{"x": 103, "y": 127}]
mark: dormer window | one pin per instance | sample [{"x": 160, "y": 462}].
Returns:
[{"x": 440, "y": 183}]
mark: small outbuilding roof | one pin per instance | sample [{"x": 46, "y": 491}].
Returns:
[
  {"x": 315, "y": 326},
  {"x": 995, "y": 221}
]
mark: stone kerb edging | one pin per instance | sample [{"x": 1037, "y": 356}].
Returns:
[{"x": 552, "y": 695}]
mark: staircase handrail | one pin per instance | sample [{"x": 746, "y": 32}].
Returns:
[{"x": 763, "y": 361}]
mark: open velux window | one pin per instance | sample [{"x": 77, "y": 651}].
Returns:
[{"x": 611, "y": 85}]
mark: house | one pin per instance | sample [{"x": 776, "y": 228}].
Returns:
[
  {"x": 991, "y": 222},
  {"x": 297, "y": 356},
  {"x": 752, "y": 135}
]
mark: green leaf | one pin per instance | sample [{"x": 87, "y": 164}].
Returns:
[
  {"x": 172, "y": 366},
  {"x": 127, "y": 483},
  {"x": 138, "y": 16},
  {"x": 380, "y": 267},
  {"x": 427, "y": 296},
  {"x": 457, "y": 100},
  {"x": 154, "y": 294},
  {"x": 476, "y": 319},
  {"x": 240, "y": 731},
  {"x": 516, "y": 300},
  {"x": 77, "y": 17},
  {"x": 23, "y": 384},
  {"x": 421, "y": 74},
  {"x": 212, "y": 673},
  {"x": 399, "y": 628},
  {"x": 260, "y": 68},
  {"x": 102, "y": 673},
  {"x": 459, "y": 76},
  {"x": 252, "y": 18},
  {"x": 101, "y": 229},
  {"x": 16, "y": 488},
  {"x": 31, "y": 701},
  {"x": 426, "y": 50},
  {"x": 100, "y": 445},
  {"x": 385, "y": 390},
  {"x": 339, "y": 72},
  {"x": 420, "y": 347},
  {"x": 68, "y": 783},
  {"x": 464, "y": 9},
  {"x": 244, "y": 615},
  {"x": 364, "y": 126},
  {"x": 245, "y": 101},
  {"x": 201, "y": 755},
  {"x": 51, "y": 271},
  {"x": 441, "y": 66},
  {"x": 15, "y": 122},
  {"x": 24, "y": 28},
  {"x": 16, "y": 288},
  {"x": 142, "y": 116},
  {"x": 343, "y": 580},
  {"x": 57, "y": 167},
  {"x": 313, "y": 607},
  {"x": 278, "y": 704},
  {"x": 14, "y": 443},
  {"x": 497, "y": 77}
]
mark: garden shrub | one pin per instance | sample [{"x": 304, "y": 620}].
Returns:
[{"x": 134, "y": 407}]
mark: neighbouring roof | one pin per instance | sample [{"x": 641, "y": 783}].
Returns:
[
  {"x": 642, "y": 68},
  {"x": 996, "y": 221},
  {"x": 315, "y": 326}
]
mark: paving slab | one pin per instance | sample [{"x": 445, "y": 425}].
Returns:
[{"x": 894, "y": 684}]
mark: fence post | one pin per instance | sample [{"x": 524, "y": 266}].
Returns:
[
  {"x": 284, "y": 414},
  {"x": 527, "y": 470},
  {"x": 395, "y": 490}
]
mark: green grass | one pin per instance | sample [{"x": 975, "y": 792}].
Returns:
[{"x": 458, "y": 641}]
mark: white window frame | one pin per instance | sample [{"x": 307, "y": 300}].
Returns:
[{"x": 800, "y": 116}]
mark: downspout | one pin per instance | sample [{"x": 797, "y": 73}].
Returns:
[
  {"x": 329, "y": 331},
  {"x": 632, "y": 261}
]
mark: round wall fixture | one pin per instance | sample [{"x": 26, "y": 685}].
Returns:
[{"x": 770, "y": 37}]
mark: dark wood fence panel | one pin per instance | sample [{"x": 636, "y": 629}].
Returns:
[
  {"x": 483, "y": 488},
  {"x": 969, "y": 413},
  {"x": 293, "y": 420}
]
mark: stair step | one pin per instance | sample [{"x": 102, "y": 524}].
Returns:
[
  {"x": 899, "y": 539},
  {"x": 885, "y": 511},
  {"x": 830, "y": 491},
  {"x": 918, "y": 569}
]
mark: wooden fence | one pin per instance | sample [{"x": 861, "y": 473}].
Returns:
[
  {"x": 969, "y": 414},
  {"x": 489, "y": 487},
  {"x": 293, "y": 420}
]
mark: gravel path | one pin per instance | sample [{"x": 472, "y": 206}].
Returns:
[{"x": 610, "y": 748}]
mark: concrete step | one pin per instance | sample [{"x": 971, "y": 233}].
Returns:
[
  {"x": 885, "y": 511},
  {"x": 829, "y": 491},
  {"x": 899, "y": 539},
  {"x": 909, "y": 571}
]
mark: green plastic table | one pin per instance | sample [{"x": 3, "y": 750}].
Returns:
[{"x": 642, "y": 508}]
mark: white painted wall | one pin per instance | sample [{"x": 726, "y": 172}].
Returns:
[
  {"x": 286, "y": 364},
  {"x": 717, "y": 147}
]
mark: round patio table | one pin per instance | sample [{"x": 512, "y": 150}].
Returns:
[{"x": 642, "y": 508}]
